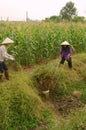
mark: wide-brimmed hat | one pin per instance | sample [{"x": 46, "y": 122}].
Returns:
[
  {"x": 7, "y": 41},
  {"x": 65, "y": 43}
]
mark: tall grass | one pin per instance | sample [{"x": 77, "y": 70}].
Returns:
[
  {"x": 62, "y": 82},
  {"x": 20, "y": 106},
  {"x": 38, "y": 41}
]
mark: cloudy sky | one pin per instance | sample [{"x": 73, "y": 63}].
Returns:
[{"x": 37, "y": 9}]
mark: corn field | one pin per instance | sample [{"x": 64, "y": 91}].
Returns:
[{"x": 37, "y": 41}]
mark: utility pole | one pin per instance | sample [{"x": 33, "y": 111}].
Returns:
[{"x": 27, "y": 19}]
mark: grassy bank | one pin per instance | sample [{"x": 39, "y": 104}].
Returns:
[{"x": 23, "y": 105}]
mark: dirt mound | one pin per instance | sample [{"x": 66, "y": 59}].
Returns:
[{"x": 68, "y": 104}]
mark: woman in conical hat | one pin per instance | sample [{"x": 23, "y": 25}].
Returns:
[
  {"x": 66, "y": 53},
  {"x": 7, "y": 41},
  {"x": 4, "y": 55}
]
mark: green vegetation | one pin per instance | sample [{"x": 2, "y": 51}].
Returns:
[
  {"x": 62, "y": 81},
  {"x": 35, "y": 42},
  {"x": 20, "y": 106},
  {"x": 23, "y": 107},
  {"x": 76, "y": 121},
  {"x": 68, "y": 12}
]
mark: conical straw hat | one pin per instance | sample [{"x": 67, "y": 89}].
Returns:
[
  {"x": 65, "y": 43},
  {"x": 7, "y": 41}
]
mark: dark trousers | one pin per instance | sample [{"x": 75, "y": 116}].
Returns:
[
  {"x": 69, "y": 61},
  {"x": 3, "y": 67}
]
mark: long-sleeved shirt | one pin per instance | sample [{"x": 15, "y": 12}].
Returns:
[
  {"x": 65, "y": 54},
  {"x": 4, "y": 55}
]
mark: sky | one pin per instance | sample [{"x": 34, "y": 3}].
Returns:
[{"x": 37, "y": 9}]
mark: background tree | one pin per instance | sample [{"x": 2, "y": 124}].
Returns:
[
  {"x": 79, "y": 19},
  {"x": 53, "y": 19},
  {"x": 68, "y": 12}
]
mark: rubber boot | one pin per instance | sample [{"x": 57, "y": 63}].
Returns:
[
  {"x": 0, "y": 76},
  {"x": 7, "y": 75}
]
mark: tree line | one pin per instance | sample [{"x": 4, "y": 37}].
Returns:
[{"x": 67, "y": 13}]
